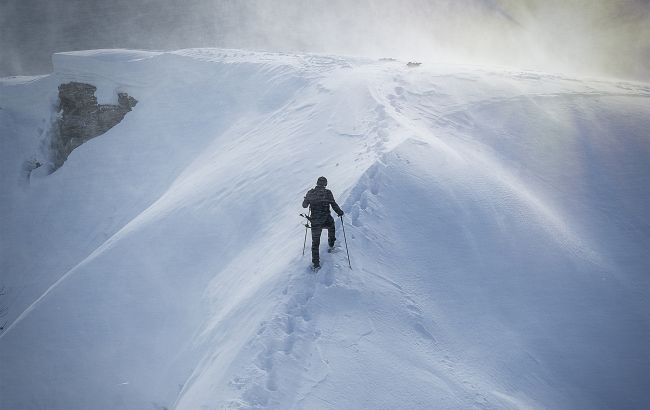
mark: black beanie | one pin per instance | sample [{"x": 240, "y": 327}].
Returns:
[{"x": 322, "y": 181}]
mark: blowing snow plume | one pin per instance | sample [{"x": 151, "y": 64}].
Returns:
[{"x": 594, "y": 37}]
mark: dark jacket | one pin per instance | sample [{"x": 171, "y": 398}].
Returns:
[{"x": 319, "y": 200}]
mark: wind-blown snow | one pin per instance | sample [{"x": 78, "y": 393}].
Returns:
[{"x": 497, "y": 223}]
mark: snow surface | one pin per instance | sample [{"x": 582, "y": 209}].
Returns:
[{"x": 497, "y": 223}]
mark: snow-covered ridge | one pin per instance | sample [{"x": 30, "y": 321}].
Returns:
[{"x": 497, "y": 224}]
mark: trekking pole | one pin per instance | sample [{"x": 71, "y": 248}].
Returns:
[
  {"x": 304, "y": 244},
  {"x": 346, "y": 241}
]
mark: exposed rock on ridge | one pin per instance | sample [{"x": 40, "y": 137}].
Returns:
[{"x": 82, "y": 119}]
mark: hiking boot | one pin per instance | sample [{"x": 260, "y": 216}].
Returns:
[{"x": 333, "y": 248}]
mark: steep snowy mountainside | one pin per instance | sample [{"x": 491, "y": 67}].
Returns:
[{"x": 496, "y": 220}]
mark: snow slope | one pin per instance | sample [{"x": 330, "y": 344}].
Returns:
[{"x": 497, "y": 223}]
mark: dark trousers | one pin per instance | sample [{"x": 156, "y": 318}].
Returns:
[{"x": 315, "y": 238}]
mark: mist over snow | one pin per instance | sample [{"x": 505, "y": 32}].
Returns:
[
  {"x": 606, "y": 38},
  {"x": 497, "y": 223},
  {"x": 496, "y": 198}
]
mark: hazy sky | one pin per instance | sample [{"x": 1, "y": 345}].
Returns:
[{"x": 592, "y": 37}]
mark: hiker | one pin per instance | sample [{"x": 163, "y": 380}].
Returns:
[{"x": 319, "y": 200}]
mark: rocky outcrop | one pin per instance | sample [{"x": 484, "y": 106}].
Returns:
[{"x": 81, "y": 118}]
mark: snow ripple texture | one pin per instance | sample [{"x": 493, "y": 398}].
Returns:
[{"x": 497, "y": 223}]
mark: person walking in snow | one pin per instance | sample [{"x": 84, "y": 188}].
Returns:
[{"x": 319, "y": 201}]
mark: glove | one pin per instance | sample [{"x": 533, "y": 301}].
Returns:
[{"x": 342, "y": 213}]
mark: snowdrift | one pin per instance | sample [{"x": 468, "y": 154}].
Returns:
[{"x": 497, "y": 223}]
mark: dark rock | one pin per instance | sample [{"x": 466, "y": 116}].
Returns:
[{"x": 82, "y": 119}]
